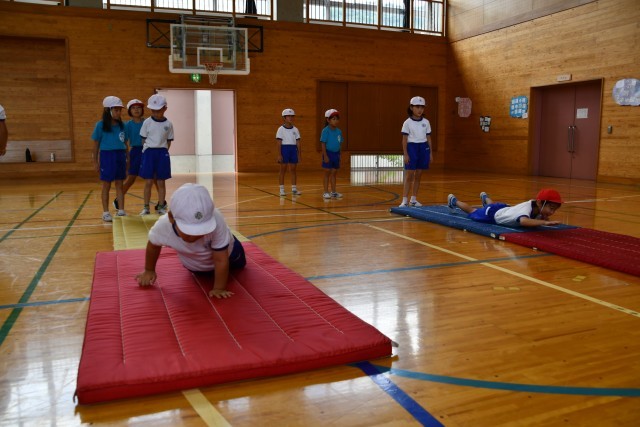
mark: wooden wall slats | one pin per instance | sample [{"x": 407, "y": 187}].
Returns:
[{"x": 590, "y": 42}]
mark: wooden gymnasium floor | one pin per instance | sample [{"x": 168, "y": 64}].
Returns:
[{"x": 478, "y": 346}]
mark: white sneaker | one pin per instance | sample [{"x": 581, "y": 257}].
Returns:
[
  {"x": 336, "y": 195},
  {"x": 326, "y": 196},
  {"x": 106, "y": 217},
  {"x": 145, "y": 211},
  {"x": 296, "y": 192},
  {"x": 402, "y": 205},
  {"x": 121, "y": 212},
  {"x": 282, "y": 193},
  {"x": 162, "y": 209},
  {"x": 415, "y": 204}
]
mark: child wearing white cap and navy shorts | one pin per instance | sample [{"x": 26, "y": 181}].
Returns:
[
  {"x": 157, "y": 134},
  {"x": 288, "y": 138},
  {"x": 110, "y": 153},
  {"x": 416, "y": 145},
  {"x": 197, "y": 231}
]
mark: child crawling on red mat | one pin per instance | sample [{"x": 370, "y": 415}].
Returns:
[
  {"x": 531, "y": 213},
  {"x": 199, "y": 234}
]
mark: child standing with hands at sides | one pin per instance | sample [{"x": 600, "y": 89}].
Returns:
[
  {"x": 288, "y": 138},
  {"x": 157, "y": 135},
  {"x": 531, "y": 213},
  {"x": 110, "y": 153},
  {"x": 331, "y": 140},
  {"x": 416, "y": 145},
  {"x": 135, "y": 109},
  {"x": 199, "y": 234}
]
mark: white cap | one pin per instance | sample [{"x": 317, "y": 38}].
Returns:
[
  {"x": 156, "y": 102},
  {"x": 112, "y": 101},
  {"x": 330, "y": 113},
  {"x": 134, "y": 102},
  {"x": 288, "y": 112},
  {"x": 192, "y": 209},
  {"x": 418, "y": 100}
]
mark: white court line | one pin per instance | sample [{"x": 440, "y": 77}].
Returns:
[
  {"x": 205, "y": 409},
  {"x": 245, "y": 201},
  {"x": 513, "y": 273}
]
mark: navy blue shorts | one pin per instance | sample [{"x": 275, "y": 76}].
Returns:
[
  {"x": 419, "y": 156},
  {"x": 156, "y": 164},
  {"x": 334, "y": 160},
  {"x": 135, "y": 158},
  {"x": 113, "y": 165},
  {"x": 289, "y": 154},
  {"x": 487, "y": 214}
]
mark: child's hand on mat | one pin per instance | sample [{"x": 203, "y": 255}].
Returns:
[
  {"x": 146, "y": 278},
  {"x": 552, "y": 222},
  {"x": 220, "y": 293}
]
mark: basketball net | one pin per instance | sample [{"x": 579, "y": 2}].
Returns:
[{"x": 213, "y": 68}]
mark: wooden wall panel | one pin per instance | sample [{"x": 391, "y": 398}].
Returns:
[
  {"x": 34, "y": 89},
  {"x": 108, "y": 56},
  {"x": 596, "y": 41}
]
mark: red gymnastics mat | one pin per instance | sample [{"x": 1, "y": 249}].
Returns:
[
  {"x": 172, "y": 336},
  {"x": 614, "y": 251}
]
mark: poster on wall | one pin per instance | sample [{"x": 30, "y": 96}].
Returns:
[
  {"x": 485, "y": 123},
  {"x": 464, "y": 106},
  {"x": 627, "y": 92},
  {"x": 519, "y": 107}
]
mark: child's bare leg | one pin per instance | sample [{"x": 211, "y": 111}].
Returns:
[
  {"x": 148, "y": 183},
  {"x": 128, "y": 183},
  {"x": 408, "y": 181},
  {"x": 416, "y": 182},
  {"x": 294, "y": 177},
  {"x": 465, "y": 206},
  {"x": 334, "y": 172},
  {"x": 162, "y": 191},
  {"x": 120, "y": 194},
  {"x": 106, "y": 187},
  {"x": 283, "y": 170},
  {"x": 325, "y": 180}
]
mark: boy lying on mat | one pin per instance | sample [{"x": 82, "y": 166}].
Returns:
[
  {"x": 199, "y": 234},
  {"x": 531, "y": 213}
]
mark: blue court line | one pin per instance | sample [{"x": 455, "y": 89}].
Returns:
[
  {"x": 425, "y": 267},
  {"x": 529, "y": 388},
  {"x": 15, "y": 313},
  {"x": 411, "y": 406},
  {"x": 39, "y": 303},
  {"x": 10, "y": 232}
]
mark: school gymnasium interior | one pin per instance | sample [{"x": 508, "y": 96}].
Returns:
[{"x": 352, "y": 314}]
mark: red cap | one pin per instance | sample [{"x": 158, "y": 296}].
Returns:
[{"x": 550, "y": 195}]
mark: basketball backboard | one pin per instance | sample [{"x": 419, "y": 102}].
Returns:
[{"x": 194, "y": 45}]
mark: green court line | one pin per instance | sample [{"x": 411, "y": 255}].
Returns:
[
  {"x": 10, "y": 232},
  {"x": 15, "y": 313}
]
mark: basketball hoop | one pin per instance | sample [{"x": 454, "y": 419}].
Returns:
[{"x": 213, "y": 68}]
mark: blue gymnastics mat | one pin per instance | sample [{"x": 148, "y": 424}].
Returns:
[{"x": 458, "y": 219}]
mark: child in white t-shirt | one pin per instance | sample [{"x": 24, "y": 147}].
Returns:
[
  {"x": 199, "y": 234},
  {"x": 531, "y": 213}
]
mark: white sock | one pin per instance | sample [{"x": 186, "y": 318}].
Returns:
[
  {"x": 413, "y": 199},
  {"x": 282, "y": 188},
  {"x": 294, "y": 188},
  {"x": 404, "y": 200}
]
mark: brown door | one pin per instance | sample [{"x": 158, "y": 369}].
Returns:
[{"x": 568, "y": 123}]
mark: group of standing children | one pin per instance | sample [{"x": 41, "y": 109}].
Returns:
[
  {"x": 416, "y": 145},
  {"x": 142, "y": 144}
]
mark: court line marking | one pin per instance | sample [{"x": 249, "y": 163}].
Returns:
[
  {"x": 513, "y": 273},
  {"x": 207, "y": 412},
  {"x": 529, "y": 388},
  {"x": 406, "y": 402},
  {"x": 15, "y": 313}
]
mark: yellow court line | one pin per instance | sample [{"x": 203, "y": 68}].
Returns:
[
  {"x": 205, "y": 409},
  {"x": 513, "y": 273}
]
